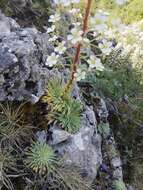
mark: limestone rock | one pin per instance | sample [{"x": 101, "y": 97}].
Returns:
[
  {"x": 59, "y": 135},
  {"x": 23, "y": 74},
  {"x": 82, "y": 149}
]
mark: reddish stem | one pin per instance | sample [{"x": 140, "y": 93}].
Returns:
[{"x": 78, "y": 49}]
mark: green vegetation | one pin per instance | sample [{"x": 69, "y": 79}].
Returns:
[
  {"x": 122, "y": 87},
  {"x": 119, "y": 185},
  {"x": 129, "y": 13},
  {"x": 104, "y": 129},
  {"x": 69, "y": 118},
  {"x": 65, "y": 110},
  {"x": 41, "y": 158},
  {"x": 118, "y": 79},
  {"x": 4, "y": 6}
]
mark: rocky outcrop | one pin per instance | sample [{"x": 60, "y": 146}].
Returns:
[
  {"x": 81, "y": 150},
  {"x": 23, "y": 52},
  {"x": 23, "y": 76}
]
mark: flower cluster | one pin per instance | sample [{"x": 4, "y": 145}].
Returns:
[
  {"x": 98, "y": 22},
  {"x": 52, "y": 60},
  {"x": 75, "y": 36},
  {"x": 54, "y": 18},
  {"x": 100, "y": 30},
  {"x": 131, "y": 39}
]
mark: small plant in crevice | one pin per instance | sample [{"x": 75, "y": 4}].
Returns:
[
  {"x": 41, "y": 158},
  {"x": 104, "y": 129},
  {"x": 63, "y": 109}
]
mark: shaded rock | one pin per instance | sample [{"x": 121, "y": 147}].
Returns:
[
  {"x": 41, "y": 136},
  {"x": 82, "y": 149},
  {"x": 20, "y": 3},
  {"x": 130, "y": 187}
]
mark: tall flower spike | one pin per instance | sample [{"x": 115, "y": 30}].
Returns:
[{"x": 77, "y": 55}]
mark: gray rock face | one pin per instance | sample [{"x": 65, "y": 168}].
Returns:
[
  {"x": 59, "y": 136},
  {"x": 23, "y": 52},
  {"x": 41, "y": 136},
  {"x": 82, "y": 149},
  {"x": 7, "y": 24}
]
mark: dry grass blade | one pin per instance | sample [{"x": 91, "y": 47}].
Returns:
[
  {"x": 71, "y": 179},
  {"x": 7, "y": 162},
  {"x": 13, "y": 128}
]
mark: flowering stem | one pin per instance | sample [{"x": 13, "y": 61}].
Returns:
[{"x": 78, "y": 48}]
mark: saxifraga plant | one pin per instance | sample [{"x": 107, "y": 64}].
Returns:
[
  {"x": 78, "y": 49},
  {"x": 41, "y": 158},
  {"x": 69, "y": 118},
  {"x": 63, "y": 109}
]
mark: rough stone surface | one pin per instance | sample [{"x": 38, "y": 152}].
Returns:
[
  {"x": 23, "y": 76},
  {"x": 59, "y": 135},
  {"x": 82, "y": 149},
  {"x": 23, "y": 52},
  {"x": 41, "y": 136}
]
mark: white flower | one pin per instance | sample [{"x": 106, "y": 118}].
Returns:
[
  {"x": 60, "y": 48},
  {"x": 99, "y": 18},
  {"x": 98, "y": 22},
  {"x": 75, "y": 36},
  {"x": 95, "y": 34},
  {"x": 53, "y": 38},
  {"x": 54, "y": 18},
  {"x": 75, "y": 1},
  {"x": 74, "y": 11},
  {"x": 52, "y": 60},
  {"x": 80, "y": 75},
  {"x": 106, "y": 47},
  {"x": 86, "y": 41},
  {"x": 121, "y": 2},
  {"x": 65, "y": 2},
  {"x": 95, "y": 62},
  {"x": 51, "y": 29}
]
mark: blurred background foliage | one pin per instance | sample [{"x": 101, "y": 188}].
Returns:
[{"x": 132, "y": 11}]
